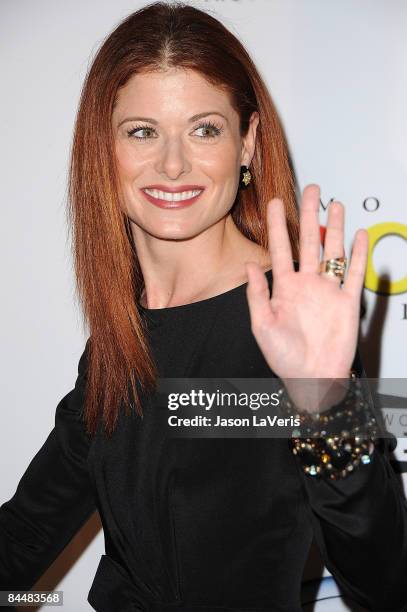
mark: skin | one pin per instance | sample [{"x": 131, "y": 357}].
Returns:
[
  {"x": 197, "y": 252},
  {"x": 308, "y": 328}
]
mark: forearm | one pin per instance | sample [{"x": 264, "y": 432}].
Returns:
[{"x": 360, "y": 524}]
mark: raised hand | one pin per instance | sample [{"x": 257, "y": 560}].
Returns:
[{"x": 309, "y": 326}]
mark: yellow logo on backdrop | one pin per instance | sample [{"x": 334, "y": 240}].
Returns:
[{"x": 376, "y": 233}]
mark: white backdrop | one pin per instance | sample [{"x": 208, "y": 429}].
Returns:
[{"x": 337, "y": 72}]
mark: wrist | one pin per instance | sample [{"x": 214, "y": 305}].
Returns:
[
  {"x": 334, "y": 443},
  {"x": 315, "y": 395}
]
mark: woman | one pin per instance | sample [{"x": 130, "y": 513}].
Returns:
[{"x": 185, "y": 224}]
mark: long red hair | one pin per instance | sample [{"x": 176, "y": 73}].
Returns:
[{"x": 109, "y": 281}]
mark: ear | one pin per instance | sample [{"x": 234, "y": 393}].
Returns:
[{"x": 249, "y": 141}]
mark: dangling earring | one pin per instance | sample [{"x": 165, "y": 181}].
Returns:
[{"x": 245, "y": 177}]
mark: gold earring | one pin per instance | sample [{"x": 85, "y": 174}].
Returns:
[{"x": 245, "y": 177}]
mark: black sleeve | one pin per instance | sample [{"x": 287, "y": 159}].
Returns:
[
  {"x": 53, "y": 499},
  {"x": 360, "y": 526}
]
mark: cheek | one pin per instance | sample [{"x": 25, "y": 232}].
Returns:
[
  {"x": 126, "y": 162},
  {"x": 226, "y": 179},
  {"x": 222, "y": 168}
]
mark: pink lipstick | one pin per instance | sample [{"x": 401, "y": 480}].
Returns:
[{"x": 161, "y": 202}]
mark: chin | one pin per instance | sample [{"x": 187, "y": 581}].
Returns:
[
  {"x": 169, "y": 230},
  {"x": 174, "y": 233}
]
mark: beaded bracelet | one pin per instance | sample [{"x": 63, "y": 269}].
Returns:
[{"x": 328, "y": 454}]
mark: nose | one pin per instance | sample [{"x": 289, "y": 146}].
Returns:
[{"x": 174, "y": 159}]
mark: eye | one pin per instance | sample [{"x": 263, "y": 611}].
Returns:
[
  {"x": 215, "y": 130},
  {"x": 146, "y": 128},
  {"x": 208, "y": 126}
]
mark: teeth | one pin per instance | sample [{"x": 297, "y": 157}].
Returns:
[{"x": 172, "y": 197}]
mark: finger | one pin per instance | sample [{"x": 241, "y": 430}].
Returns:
[
  {"x": 309, "y": 230},
  {"x": 278, "y": 238},
  {"x": 357, "y": 270},
  {"x": 258, "y": 297},
  {"x": 334, "y": 236}
]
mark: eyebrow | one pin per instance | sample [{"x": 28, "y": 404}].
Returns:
[{"x": 190, "y": 120}]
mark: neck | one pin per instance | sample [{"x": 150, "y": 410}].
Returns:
[{"x": 178, "y": 272}]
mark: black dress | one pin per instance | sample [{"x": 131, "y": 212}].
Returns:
[{"x": 202, "y": 524}]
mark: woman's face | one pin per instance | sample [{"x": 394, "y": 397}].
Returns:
[{"x": 161, "y": 145}]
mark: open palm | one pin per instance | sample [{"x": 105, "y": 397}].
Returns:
[{"x": 308, "y": 328}]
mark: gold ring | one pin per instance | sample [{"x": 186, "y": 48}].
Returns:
[{"x": 334, "y": 267}]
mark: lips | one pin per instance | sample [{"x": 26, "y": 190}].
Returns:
[
  {"x": 174, "y": 189},
  {"x": 172, "y": 204}
]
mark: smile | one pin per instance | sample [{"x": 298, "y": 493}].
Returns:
[{"x": 167, "y": 199}]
